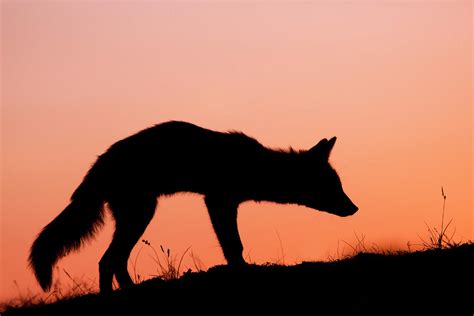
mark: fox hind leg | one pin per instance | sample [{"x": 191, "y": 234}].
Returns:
[
  {"x": 132, "y": 216},
  {"x": 223, "y": 216}
]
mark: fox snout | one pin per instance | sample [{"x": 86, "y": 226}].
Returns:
[
  {"x": 341, "y": 206},
  {"x": 347, "y": 207},
  {"x": 351, "y": 210}
]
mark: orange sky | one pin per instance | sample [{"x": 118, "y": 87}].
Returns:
[{"x": 392, "y": 80}]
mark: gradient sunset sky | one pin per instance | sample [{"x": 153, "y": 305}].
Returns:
[{"x": 392, "y": 80}]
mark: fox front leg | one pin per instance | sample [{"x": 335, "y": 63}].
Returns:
[{"x": 223, "y": 214}]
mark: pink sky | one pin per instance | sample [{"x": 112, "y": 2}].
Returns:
[{"x": 392, "y": 80}]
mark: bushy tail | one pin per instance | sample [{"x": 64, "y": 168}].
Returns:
[{"x": 79, "y": 221}]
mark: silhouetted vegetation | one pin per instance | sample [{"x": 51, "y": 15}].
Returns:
[
  {"x": 441, "y": 237},
  {"x": 430, "y": 281}
]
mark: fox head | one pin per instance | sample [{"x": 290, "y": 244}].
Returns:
[{"x": 321, "y": 187}]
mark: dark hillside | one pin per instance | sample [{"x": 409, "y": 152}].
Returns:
[{"x": 432, "y": 282}]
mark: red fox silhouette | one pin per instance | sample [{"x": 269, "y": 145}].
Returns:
[{"x": 227, "y": 168}]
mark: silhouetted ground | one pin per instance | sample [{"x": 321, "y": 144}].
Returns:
[{"x": 432, "y": 282}]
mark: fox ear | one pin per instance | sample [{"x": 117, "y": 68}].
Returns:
[
  {"x": 323, "y": 148},
  {"x": 330, "y": 145},
  {"x": 318, "y": 147}
]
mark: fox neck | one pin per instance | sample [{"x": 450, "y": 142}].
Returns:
[{"x": 275, "y": 180}]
